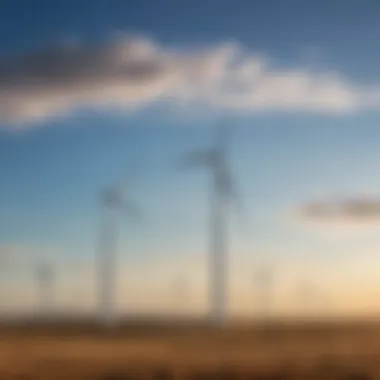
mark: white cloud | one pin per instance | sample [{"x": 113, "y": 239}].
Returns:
[{"x": 134, "y": 72}]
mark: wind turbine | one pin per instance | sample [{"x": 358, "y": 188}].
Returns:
[
  {"x": 307, "y": 297},
  {"x": 264, "y": 278},
  {"x": 45, "y": 277},
  {"x": 180, "y": 296},
  {"x": 113, "y": 204},
  {"x": 222, "y": 191}
]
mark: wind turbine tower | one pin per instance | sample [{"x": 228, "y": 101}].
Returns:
[
  {"x": 264, "y": 278},
  {"x": 45, "y": 280},
  {"x": 180, "y": 296},
  {"x": 222, "y": 191},
  {"x": 113, "y": 204}
]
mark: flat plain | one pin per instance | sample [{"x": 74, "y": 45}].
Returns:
[{"x": 313, "y": 350}]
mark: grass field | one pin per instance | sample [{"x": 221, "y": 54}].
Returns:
[{"x": 309, "y": 351}]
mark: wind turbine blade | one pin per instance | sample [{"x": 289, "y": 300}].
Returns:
[
  {"x": 197, "y": 158},
  {"x": 112, "y": 196},
  {"x": 223, "y": 136},
  {"x": 131, "y": 210},
  {"x": 240, "y": 209},
  {"x": 227, "y": 182},
  {"x": 234, "y": 199},
  {"x": 127, "y": 179}
]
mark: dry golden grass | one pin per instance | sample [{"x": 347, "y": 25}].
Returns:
[{"x": 311, "y": 351}]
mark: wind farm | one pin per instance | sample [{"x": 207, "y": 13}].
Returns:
[
  {"x": 257, "y": 346},
  {"x": 189, "y": 190},
  {"x": 212, "y": 343}
]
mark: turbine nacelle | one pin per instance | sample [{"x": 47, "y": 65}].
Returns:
[
  {"x": 114, "y": 198},
  {"x": 215, "y": 160},
  {"x": 207, "y": 158}
]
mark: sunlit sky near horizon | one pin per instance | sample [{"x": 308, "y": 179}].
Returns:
[{"x": 298, "y": 82}]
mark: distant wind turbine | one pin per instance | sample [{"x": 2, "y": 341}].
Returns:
[
  {"x": 264, "y": 278},
  {"x": 114, "y": 203},
  {"x": 45, "y": 277},
  {"x": 307, "y": 294},
  {"x": 222, "y": 191},
  {"x": 180, "y": 290}
]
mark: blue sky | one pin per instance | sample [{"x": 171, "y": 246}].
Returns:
[
  {"x": 346, "y": 34},
  {"x": 55, "y": 167}
]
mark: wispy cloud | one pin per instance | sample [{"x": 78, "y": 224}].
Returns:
[
  {"x": 343, "y": 216},
  {"x": 355, "y": 209},
  {"x": 134, "y": 72}
]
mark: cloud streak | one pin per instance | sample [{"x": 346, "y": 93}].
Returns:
[
  {"x": 360, "y": 210},
  {"x": 134, "y": 72}
]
